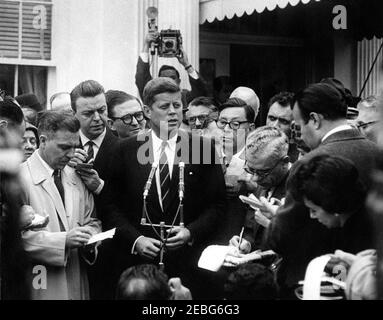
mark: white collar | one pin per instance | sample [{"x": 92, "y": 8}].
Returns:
[
  {"x": 46, "y": 165},
  {"x": 97, "y": 141},
  {"x": 336, "y": 129},
  {"x": 157, "y": 142}
]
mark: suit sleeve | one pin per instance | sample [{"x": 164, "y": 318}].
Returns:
[
  {"x": 214, "y": 190},
  {"x": 46, "y": 247},
  {"x": 143, "y": 75},
  {"x": 115, "y": 199},
  {"x": 198, "y": 89},
  {"x": 93, "y": 223}
]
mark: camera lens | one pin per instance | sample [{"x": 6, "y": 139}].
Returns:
[{"x": 169, "y": 44}]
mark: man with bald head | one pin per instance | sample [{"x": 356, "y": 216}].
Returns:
[
  {"x": 249, "y": 96},
  {"x": 368, "y": 120}
]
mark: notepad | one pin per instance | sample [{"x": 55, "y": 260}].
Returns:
[{"x": 102, "y": 236}]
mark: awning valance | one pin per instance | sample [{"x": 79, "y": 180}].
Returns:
[{"x": 221, "y": 9}]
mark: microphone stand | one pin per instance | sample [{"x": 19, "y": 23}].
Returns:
[{"x": 162, "y": 226}]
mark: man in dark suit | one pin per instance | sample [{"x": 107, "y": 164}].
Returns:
[
  {"x": 320, "y": 110},
  {"x": 204, "y": 194},
  {"x": 97, "y": 142}
]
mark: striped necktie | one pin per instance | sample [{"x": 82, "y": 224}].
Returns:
[
  {"x": 90, "y": 156},
  {"x": 164, "y": 177}
]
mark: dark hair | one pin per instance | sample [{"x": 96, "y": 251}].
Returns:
[
  {"x": 29, "y": 100},
  {"x": 11, "y": 112},
  {"x": 284, "y": 98},
  {"x": 167, "y": 67},
  {"x": 251, "y": 281},
  {"x": 158, "y": 86},
  {"x": 330, "y": 182},
  {"x": 321, "y": 98},
  {"x": 116, "y": 97},
  {"x": 239, "y": 103},
  {"x": 50, "y": 122},
  {"x": 154, "y": 284},
  {"x": 207, "y": 102},
  {"x": 347, "y": 95},
  {"x": 86, "y": 89}
]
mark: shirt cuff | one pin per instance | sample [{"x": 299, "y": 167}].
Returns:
[
  {"x": 144, "y": 57},
  {"x": 133, "y": 251},
  {"x": 194, "y": 75},
  {"x": 100, "y": 187}
]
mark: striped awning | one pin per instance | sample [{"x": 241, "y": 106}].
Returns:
[{"x": 221, "y": 9}]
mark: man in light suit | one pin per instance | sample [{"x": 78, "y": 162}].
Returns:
[
  {"x": 204, "y": 189},
  {"x": 55, "y": 190}
]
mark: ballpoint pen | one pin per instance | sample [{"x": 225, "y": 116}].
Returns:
[{"x": 240, "y": 237}]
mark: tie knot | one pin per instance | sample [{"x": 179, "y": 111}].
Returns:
[
  {"x": 57, "y": 173},
  {"x": 90, "y": 143}
]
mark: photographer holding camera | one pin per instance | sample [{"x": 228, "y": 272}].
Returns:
[{"x": 143, "y": 75}]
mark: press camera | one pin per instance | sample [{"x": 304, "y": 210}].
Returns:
[{"x": 169, "y": 43}]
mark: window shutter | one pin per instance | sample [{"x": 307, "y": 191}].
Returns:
[{"x": 33, "y": 39}]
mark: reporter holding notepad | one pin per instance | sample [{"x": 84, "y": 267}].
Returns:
[{"x": 267, "y": 161}]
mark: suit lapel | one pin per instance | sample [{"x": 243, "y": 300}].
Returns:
[
  {"x": 71, "y": 198},
  {"x": 144, "y": 169},
  {"x": 183, "y": 143},
  {"x": 41, "y": 175}
]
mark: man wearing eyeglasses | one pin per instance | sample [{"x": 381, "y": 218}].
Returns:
[
  {"x": 267, "y": 161},
  {"x": 235, "y": 122},
  {"x": 125, "y": 112},
  {"x": 369, "y": 117}
]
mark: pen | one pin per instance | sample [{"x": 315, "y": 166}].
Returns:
[{"x": 240, "y": 237}]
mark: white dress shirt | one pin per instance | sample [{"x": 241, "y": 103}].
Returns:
[
  {"x": 97, "y": 142},
  {"x": 170, "y": 151},
  {"x": 342, "y": 127}
]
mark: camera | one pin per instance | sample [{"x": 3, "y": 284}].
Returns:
[{"x": 169, "y": 43}]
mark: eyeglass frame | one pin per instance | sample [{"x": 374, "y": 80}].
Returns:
[
  {"x": 364, "y": 125},
  {"x": 268, "y": 171},
  {"x": 230, "y": 124},
  {"x": 131, "y": 117}
]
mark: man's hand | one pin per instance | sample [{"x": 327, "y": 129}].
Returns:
[
  {"x": 77, "y": 237},
  {"x": 148, "y": 247},
  {"x": 90, "y": 178},
  {"x": 149, "y": 38},
  {"x": 244, "y": 247},
  {"x": 269, "y": 208},
  {"x": 247, "y": 180},
  {"x": 183, "y": 59},
  {"x": 178, "y": 236},
  {"x": 27, "y": 214},
  {"x": 79, "y": 157}
]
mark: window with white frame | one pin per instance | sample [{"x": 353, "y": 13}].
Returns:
[{"x": 25, "y": 46}]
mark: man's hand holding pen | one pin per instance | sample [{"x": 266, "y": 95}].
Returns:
[{"x": 239, "y": 242}]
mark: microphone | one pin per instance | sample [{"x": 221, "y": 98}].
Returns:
[
  {"x": 150, "y": 178},
  {"x": 181, "y": 186}
]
